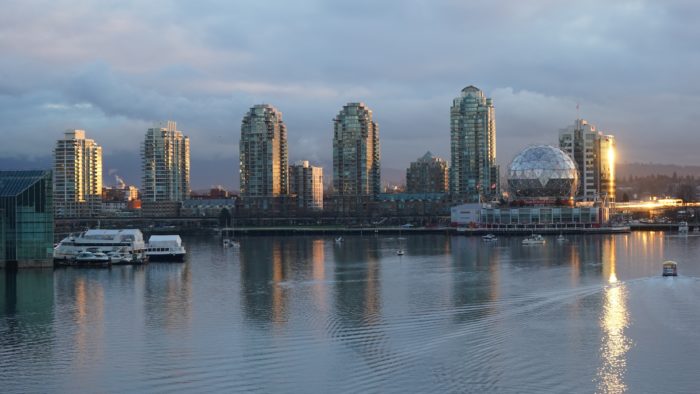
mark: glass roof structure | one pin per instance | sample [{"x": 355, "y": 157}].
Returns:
[{"x": 542, "y": 171}]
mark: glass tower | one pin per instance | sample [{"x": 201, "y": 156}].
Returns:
[
  {"x": 356, "y": 158},
  {"x": 263, "y": 153},
  {"x": 26, "y": 223},
  {"x": 474, "y": 174},
  {"x": 166, "y": 164}
]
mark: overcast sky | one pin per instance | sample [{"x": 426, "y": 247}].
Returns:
[{"x": 114, "y": 68}]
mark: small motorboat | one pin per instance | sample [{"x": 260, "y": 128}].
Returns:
[
  {"x": 400, "y": 252},
  {"x": 562, "y": 238},
  {"x": 229, "y": 243},
  {"x": 97, "y": 259},
  {"x": 670, "y": 268},
  {"x": 534, "y": 239},
  {"x": 489, "y": 238},
  {"x": 339, "y": 240}
]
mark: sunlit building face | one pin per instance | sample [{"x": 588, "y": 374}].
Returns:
[
  {"x": 77, "y": 176},
  {"x": 356, "y": 166},
  {"x": 166, "y": 164},
  {"x": 263, "y": 153}
]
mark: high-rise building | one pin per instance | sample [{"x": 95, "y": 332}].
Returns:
[
  {"x": 306, "y": 182},
  {"x": 77, "y": 185},
  {"x": 166, "y": 164},
  {"x": 356, "y": 158},
  {"x": 594, "y": 155},
  {"x": 429, "y": 174},
  {"x": 473, "y": 173},
  {"x": 263, "y": 153}
]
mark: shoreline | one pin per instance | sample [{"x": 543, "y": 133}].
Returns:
[{"x": 267, "y": 231}]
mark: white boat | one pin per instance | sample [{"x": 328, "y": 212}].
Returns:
[
  {"x": 89, "y": 259},
  {"x": 489, "y": 238},
  {"x": 683, "y": 227},
  {"x": 534, "y": 239},
  {"x": 229, "y": 243},
  {"x": 126, "y": 242},
  {"x": 562, "y": 238},
  {"x": 339, "y": 240},
  {"x": 165, "y": 248},
  {"x": 400, "y": 252}
]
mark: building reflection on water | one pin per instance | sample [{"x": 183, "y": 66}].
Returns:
[
  {"x": 475, "y": 277},
  {"x": 168, "y": 295},
  {"x": 26, "y": 317},
  {"x": 264, "y": 265}
]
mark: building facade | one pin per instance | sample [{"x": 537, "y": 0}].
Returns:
[
  {"x": 474, "y": 174},
  {"x": 263, "y": 153},
  {"x": 27, "y": 218},
  {"x": 306, "y": 182},
  {"x": 594, "y": 155},
  {"x": 77, "y": 178},
  {"x": 166, "y": 164},
  {"x": 429, "y": 174},
  {"x": 356, "y": 156}
]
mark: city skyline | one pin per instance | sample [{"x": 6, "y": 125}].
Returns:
[{"x": 611, "y": 59}]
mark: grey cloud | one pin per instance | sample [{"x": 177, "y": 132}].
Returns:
[{"x": 630, "y": 65}]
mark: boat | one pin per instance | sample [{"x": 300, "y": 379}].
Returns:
[
  {"x": 339, "y": 240},
  {"x": 534, "y": 239},
  {"x": 165, "y": 248},
  {"x": 229, "y": 243},
  {"x": 489, "y": 238},
  {"x": 125, "y": 242},
  {"x": 400, "y": 252},
  {"x": 670, "y": 268},
  {"x": 562, "y": 238},
  {"x": 89, "y": 259},
  {"x": 683, "y": 227}
]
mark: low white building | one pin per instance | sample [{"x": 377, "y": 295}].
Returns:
[{"x": 465, "y": 214}]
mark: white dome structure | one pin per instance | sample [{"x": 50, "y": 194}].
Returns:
[{"x": 542, "y": 171}]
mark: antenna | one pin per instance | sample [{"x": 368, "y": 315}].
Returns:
[{"x": 577, "y": 107}]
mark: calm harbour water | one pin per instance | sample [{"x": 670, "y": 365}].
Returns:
[{"x": 307, "y": 314}]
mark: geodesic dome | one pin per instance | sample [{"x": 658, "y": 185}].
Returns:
[{"x": 542, "y": 171}]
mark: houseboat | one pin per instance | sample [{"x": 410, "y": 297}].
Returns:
[{"x": 165, "y": 248}]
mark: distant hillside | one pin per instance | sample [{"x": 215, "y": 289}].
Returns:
[{"x": 644, "y": 169}]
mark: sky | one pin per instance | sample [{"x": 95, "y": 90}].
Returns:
[{"x": 115, "y": 68}]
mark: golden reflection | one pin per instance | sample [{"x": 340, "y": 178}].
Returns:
[
  {"x": 615, "y": 344},
  {"x": 89, "y": 320},
  {"x": 318, "y": 272},
  {"x": 278, "y": 292},
  {"x": 575, "y": 266}
]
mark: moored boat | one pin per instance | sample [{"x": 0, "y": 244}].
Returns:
[
  {"x": 165, "y": 248},
  {"x": 670, "y": 268},
  {"x": 125, "y": 242},
  {"x": 534, "y": 239},
  {"x": 683, "y": 227},
  {"x": 489, "y": 238},
  {"x": 87, "y": 259}
]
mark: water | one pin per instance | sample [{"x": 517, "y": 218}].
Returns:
[{"x": 307, "y": 314}]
